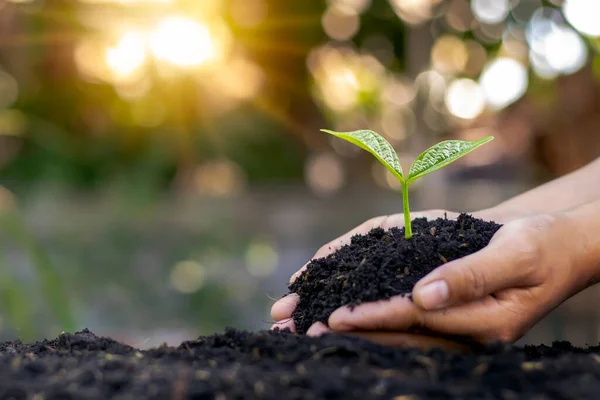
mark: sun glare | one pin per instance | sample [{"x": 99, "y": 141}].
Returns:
[
  {"x": 128, "y": 56},
  {"x": 183, "y": 42}
]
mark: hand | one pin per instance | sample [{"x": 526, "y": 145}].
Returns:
[
  {"x": 282, "y": 310},
  {"x": 497, "y": 294}
]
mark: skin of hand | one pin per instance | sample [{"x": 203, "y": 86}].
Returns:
[{"x": 531, "y": 265}]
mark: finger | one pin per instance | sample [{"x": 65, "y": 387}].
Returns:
[
  {"x": 484, "y": 320},
  {"x": 501, "y": 265},
  {"x": 285, "y": 324},
  {"x": 283, "y": 308},
  {"x": 318, "y": 329},
  {"x": 397, "y": 313}
]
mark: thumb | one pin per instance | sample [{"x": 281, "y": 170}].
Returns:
[{"x": 498, "y": 266}]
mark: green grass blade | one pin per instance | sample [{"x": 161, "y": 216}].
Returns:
[
  {"x": 15, "y": 306},
  {"x": 376, "y": 145},
  {"x": 442, "y": 154},
  {"x": 49, "y": 278}
]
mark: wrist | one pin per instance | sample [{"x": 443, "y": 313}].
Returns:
[{"x": 584, "y": 241}]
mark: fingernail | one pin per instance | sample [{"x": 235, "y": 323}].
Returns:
[{"x": 434, "y": 295}]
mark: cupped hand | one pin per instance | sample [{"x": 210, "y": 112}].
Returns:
[
  {"x": 282, "y": 310},
  {"x": 531, "y": 266}
]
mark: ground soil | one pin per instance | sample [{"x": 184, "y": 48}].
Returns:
[
  {"x": 282, "y": 365},
  {"x": 383, "y": 264}
]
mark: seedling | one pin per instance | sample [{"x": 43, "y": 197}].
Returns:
[{"x": 432, "y": 159}]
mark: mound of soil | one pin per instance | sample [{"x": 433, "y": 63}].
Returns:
[
  {"x": 383, "y": 264},
  {"x": 281, "y": 365}
]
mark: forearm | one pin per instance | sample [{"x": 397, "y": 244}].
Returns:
[
  {"x": 582, "y": 240},
  {"x": 577, "y": 188}
]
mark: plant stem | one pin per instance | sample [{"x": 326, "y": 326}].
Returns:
[{"x": 405, "y": 207}]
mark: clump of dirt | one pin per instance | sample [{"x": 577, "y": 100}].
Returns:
[
  {"x": 383, "y": 264},
  {"x": 280, "y": 365}
]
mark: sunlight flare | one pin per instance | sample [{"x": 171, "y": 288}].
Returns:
[{"x": 183, "y": 42}]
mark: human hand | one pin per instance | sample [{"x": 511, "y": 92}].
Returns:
[
  {"x": 531, "y": 266},
  {"x": 282, "y": 309}
]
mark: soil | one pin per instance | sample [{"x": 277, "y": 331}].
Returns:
[
  {"x": 383, "y": 264},
  {"x": 282, "y": 365}
]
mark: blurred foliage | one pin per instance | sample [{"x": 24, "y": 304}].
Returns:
[
  {"x": 98, "y": 104},
  {"x": 140, "y": 99}
]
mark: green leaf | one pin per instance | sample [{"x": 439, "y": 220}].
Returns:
[
  {"x": 376, "y": 145},
  {"x": 442, "y": 154}
]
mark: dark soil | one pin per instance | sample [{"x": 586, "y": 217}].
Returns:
[
  {"x": 282, "y": 365},
  {"x": 383, "y": 264}
]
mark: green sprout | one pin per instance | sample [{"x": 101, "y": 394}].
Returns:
[{"x": 432, "y": 159}]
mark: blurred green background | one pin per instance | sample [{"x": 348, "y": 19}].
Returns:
[{"x": 162, "y": 172}]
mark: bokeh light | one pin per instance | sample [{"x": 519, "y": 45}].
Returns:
[
  {"x": 583, "y": 15},
  {"x": 449, "y": 54},
  {"x": 554, "y": 47},
  {"x": 351, "y": 6},
  {"x": 261, "y": 258},
  {"x": 397, "y": 124},
  {"x": 219, "y": 178},
  {"x": 414, "y": 12},
  {"x": 340, "y": 23},
  {"x": 183, "y": 42},
  {"x": 490, "y": 11},
  {"x": 90, "y": 59},
  {"x": 433, "y": 84},
  {"x": 398, "y": 91},
  {"x": 504, "y": 80},
  {"x": 324, "y": 173},
  {"x": 565, "y": 50},
  {"x": 465, "y": 99},
  {"x": 128, "y": 56},
  {"x": 188, "y": 276},
  {"x": 344, "y": 77},
  {"x": 341, "y": 90},
  {"x": 238, "y": 79}
]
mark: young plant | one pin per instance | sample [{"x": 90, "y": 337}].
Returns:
[{"x": 432, "y": 159}]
